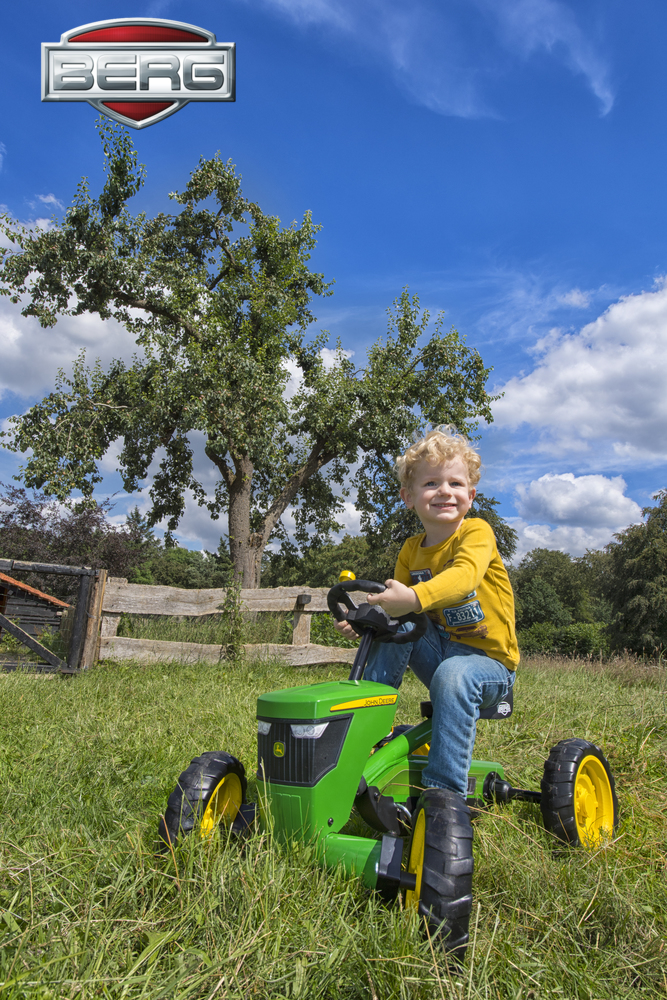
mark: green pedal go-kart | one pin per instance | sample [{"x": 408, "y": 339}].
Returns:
[{"x": 326, "y": 748}]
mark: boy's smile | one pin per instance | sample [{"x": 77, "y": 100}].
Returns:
[{"x": 441, "y": 496}]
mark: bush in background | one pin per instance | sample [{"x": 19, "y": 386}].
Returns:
[
  {"x": 576, "y": 639},
  {"x": 38, "y": 529}
]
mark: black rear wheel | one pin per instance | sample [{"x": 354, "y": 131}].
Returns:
[
  {"x": 209, "y": 792},
  {"x": 441, "y": 859},
  {"x": 579, "y": 803}
]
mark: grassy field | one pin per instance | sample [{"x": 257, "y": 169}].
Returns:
[{"x": 87, "y": 909}]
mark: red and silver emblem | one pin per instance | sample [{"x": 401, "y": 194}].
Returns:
[{"x": 138, "y": 70}]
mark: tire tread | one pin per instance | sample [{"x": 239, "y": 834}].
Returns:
[
  {"x": 558, "y": 782},
  {"x": 195, "y": 784},
  {"x": 446, "y": 886}
]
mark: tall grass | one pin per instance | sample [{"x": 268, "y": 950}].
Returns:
[
  {"x": 89, "y": 910},
  {"x": 216, "y": 629}
]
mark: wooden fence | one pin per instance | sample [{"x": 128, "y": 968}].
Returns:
[
  {"x": 119, "y": 597},
  {"x": 83, "y": 641}
]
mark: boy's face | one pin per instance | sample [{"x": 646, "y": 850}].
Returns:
[{"x": 440, "y": 496}]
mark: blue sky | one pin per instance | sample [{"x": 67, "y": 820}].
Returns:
[{"x": 505, "y": 159}]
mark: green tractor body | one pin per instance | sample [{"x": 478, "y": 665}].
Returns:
[{"x": 315, "y": 755}]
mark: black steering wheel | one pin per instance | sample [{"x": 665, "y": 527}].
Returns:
[{"x": 372, "y": 616}]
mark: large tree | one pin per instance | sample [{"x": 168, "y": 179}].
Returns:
[
  {"x": 218, "y": 296},
  {"x": 560, "y": 578},
  {"x": 633, "y": 578}
]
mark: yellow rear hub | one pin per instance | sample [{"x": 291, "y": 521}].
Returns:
[
  {"x": 593, "y": 802},
  {"x": 223, "y": 805},
  {"x": 416, "y": 861}
]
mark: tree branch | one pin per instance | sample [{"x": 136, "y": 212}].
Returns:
[
  {"x": 135, "y": 303},
  {"x": 317, "y": 458},
  {"x": 221, "y": 465}
]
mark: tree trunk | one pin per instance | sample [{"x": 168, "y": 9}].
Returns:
[{"x": 245, "y": 547}]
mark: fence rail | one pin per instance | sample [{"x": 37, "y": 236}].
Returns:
[
  {"x": 102, "y": 600},
  {"x": 121, "y": 597}
]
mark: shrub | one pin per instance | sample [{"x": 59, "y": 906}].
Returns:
[
  {"x": 583, "y": 639},
  {"x": 577, "y": 639},
  {"x": 539, "y": 638}
]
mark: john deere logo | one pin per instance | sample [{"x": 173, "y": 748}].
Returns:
[
  {"x": 279, "y": 749},
  {"x": 138, "y": 70}
]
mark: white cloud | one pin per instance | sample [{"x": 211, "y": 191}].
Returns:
[
  {"x": 576, "y": 298},
  {"x": 603, "y": 386},
  {"x": 528, "y": 26},
  {"x": 31, "y": 355},
  {"x": 3, "y": 150},
  {"x": 159, "y": 8},
  {"x": 565, "y": 538},
  {"x": 578, "y": 501},
  {"x": 583, "y": 512},
  {"x": 197, "y": 529},
  {"x": 50, "y": 199},
  {"x": 445, "y": 56},
  {"x": 305, "y": 12}
]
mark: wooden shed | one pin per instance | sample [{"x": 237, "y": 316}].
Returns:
[{"x": 31, "y": 608}]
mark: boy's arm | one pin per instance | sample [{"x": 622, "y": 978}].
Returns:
[
  {"x": 456, "y": 582},
  {"x": 399, "y": 598}
]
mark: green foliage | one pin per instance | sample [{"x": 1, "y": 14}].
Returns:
[
  {"x": 561, "y": 573},
  {"x": 634, "y": 581},
  {"x": 576, "y": 639},
  {"x": 218, "y": 297},
  {"x": 232, "y": 609},
  {"x": 177, "y": 567},
  {"x": 538, "y": 603},
  {"x": 87, "y": 909},
  {"x": 320, "y": 565},
  {"x": 583, "y": 639},
  {"x": 537, "y": 638},
  {"x": 37, "y": 529}
]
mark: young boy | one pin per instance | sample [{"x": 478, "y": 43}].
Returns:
[{"x": 468, "y": 656}]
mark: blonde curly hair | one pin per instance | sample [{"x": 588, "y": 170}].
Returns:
[{"x": 438, "y": 446}]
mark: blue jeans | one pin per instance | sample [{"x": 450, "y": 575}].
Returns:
[{"x": 461, "y": 680}]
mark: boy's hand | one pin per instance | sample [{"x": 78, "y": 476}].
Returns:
[
  {"x": 346, "y": 629},
  {"x": 397, "y": 599}
]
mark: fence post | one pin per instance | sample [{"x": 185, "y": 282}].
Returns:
[
  {"x": 91, "y": 641},
  {"x": 301, "y": 625},
  {"x": 80, "y": 621}
]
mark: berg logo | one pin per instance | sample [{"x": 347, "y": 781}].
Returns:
[{"x": 138, "y": 70}]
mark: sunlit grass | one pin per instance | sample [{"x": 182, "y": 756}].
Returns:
[{"x": 89, "y": 910}]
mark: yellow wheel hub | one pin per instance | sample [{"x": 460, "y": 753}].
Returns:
[
  {"x": 593, "y": 802},
  {"x": 223, "y": 805},
  {"x": 416, "y": 861}
]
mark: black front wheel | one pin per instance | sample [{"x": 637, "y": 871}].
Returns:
[
  {"x": 209, "y": 792},
  {"x": 441, "y": 860}
]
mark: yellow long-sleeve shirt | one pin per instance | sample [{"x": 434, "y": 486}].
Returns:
[{"x": 465, "y": 587}]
